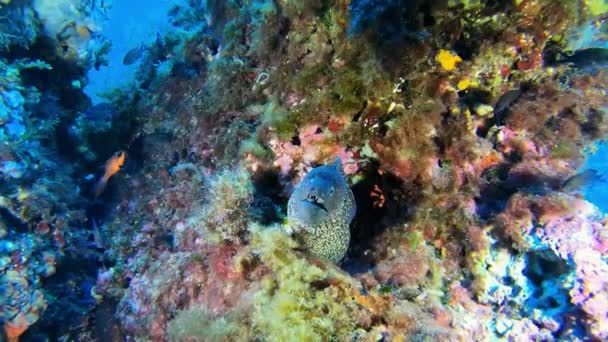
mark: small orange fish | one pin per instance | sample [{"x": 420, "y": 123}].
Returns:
[{"x": 113, "y": 165}]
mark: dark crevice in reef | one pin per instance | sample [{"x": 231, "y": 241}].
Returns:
[
  {"x": 391, "y": 204},
  {"x": 70, "y": 287},
  {"x": 269, "y": 205},
  {"x": 67, "y": 143},
  {"x": 544, "y": 264},
  {"x": 393, "y": 28},
  {"x": 59, "y": 79},
  {"x": 8, "y": 219},
  {"x": 545, "y": 269},
  {"x": 105, "y": 325},
  {"x": 494, "y": 194},
  {"x": 499, "y": 184}
]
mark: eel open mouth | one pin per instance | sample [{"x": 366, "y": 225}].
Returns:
[{"x": 316, "y": 201}]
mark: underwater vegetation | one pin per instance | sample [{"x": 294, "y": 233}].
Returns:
[{"x": 286, "y": 170}]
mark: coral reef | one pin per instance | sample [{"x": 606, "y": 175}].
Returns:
[
  {"x": 461, "y": 127},
  {"x": 461, "y": 192},
  {"x": 43, "y": 208},
  {"x": 39, "y": 207}
]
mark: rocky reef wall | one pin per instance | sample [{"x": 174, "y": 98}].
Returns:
[{"x": 461, "y": 126}]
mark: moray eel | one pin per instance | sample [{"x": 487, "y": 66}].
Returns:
[{"x": 320, "y": 210}]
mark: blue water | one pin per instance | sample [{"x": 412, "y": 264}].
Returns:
[
  {"x": 130, "y": 23},
  {"x": 598, "y": 192}
]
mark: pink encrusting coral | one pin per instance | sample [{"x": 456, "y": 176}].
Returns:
[
  {"x": 285, "y": 153},
  {"x": 575, "y": 232},
  {"x": 590, "y": 290},
  {"x": 315, "y": 146},
  {"x": 406, "y": 269}
]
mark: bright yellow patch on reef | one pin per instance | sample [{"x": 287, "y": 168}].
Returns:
[
  {"x": 463, "y": 84},
  {"x": 448, "y": 59},
  {"x": 597, "y": 7},
  {"x": 22, "y": 194},
  {"x": 483, "y": 109}
]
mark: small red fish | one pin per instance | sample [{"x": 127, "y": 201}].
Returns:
[{"x": 113, "y": 165}]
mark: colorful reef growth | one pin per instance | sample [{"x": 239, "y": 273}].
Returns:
[{"x": 285, "y": 170}]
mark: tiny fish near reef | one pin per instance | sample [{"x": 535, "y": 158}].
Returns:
[
  {"x": 133, "y": 55},
  {"x": 578, "y": 181},
  {"x": 112, "y": 166},
  {"x": 320, "y": 211}
]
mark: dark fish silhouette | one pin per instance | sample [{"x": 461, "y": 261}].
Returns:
[
  {"x": 578, "y": 181},
  {"x": 133, "y": 55},
  {"x": 504, "y": 103},
  {"x": 588, "y": 59}
]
